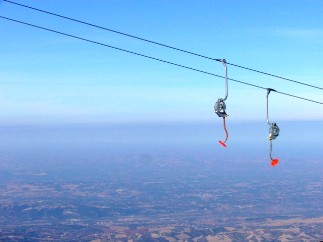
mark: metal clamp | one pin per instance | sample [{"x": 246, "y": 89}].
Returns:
[
  {"x": 220, "y": 107},
  {"x": 273, "y": 132}
]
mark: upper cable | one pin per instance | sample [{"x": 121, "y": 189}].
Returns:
[
  {"x": 153, "y": 58},
  {"x": 161, "y": 44}
]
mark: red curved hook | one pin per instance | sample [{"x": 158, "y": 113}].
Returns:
[
  {"x": 227, "y": 135},
  {"x": 275, "y": 161}
]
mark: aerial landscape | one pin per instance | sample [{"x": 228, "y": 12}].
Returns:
[
  {"x": 152, "y": 197},
  {"x": 163, "y": 121},
  {"x": 150, "y": 202}
]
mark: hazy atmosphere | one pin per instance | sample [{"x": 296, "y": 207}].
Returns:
[
  {"x": 100, "y": 144},
  {"x": 49, "y": 78}
]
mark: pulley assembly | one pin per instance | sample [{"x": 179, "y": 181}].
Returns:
[
  {"x": 220, "y": 107},
  {"x": 220, "y": 110},
  {"x": 273, "y": 132}
]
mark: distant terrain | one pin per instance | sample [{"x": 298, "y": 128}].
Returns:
[
  {"x": 87, "y": 193},
  {"x": 160, "y": 199}
]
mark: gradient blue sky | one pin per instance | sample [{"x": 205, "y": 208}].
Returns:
[{"x": 48, "y": 78}]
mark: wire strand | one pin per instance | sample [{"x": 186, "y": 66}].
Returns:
[
  {"x": 160, "y": 44},
  {"x": 111, "y": 30},
  {"x": 226, "y": 131},
  {"x": 150, "y": 57}
]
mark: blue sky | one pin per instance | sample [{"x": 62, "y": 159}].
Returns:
[{"x": 48, "y": 78}]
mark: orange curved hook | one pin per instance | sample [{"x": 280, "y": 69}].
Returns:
[
  {"x": 275, "y": 161},
  {"x": 273, "y": 132},
  {"x": 227, "y": 135}
]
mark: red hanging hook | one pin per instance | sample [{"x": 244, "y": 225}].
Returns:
[
  {"x": 273, "y": 132},
  {"x": 275, "y": 161},
  {"x": 220, "y": 106},
  {"x": 227, "y": 135}
]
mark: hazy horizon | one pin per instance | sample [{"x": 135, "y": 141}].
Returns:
[
  {"x": 98, "y": 144},
  {"x": 197, "y": 139}
]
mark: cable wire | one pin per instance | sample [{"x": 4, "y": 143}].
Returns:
[
  {"x": 160, "y": 44},
  {"x": 150, "y": 57}
]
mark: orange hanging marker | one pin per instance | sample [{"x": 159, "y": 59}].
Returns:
[
  {"x": 219, "y": 106},
  {"x": 273, "y": 132}
]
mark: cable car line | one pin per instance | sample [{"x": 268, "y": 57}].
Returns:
[
  {"x": 160, "y": 44},
  {"x": 111, "y": 30},
  {"x": 273, "y": 131},
  {"x": 220, "y": 107},
  {"x": 153, "y": 58}
]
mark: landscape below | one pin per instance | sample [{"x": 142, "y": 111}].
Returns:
[{"x": 60, "y": 189}]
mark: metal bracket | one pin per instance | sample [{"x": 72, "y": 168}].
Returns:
[
  {"x": 273, "y": 132},
  {"x": 219, "y": 108}
]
